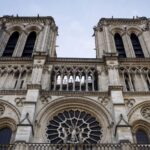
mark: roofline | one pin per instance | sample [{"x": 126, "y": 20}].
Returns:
[
  {"x": 39, "y": 18},
  {"x": 123, "y": 20}
]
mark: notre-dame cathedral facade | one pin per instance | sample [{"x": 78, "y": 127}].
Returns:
[{"x": 63, "y": 101}]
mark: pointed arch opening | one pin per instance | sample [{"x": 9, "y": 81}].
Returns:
[
  {"x": 136, "y": 46},
  {"x": 29, "y": 45},
  {"x": 5, "y": 135},
  {"x": 11, "y": 44},
  {"x": 142, "y": 137},
  {"x": 119, "y": 45}
]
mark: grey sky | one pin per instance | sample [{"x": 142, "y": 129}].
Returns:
[{"x": 76, "y": 19}]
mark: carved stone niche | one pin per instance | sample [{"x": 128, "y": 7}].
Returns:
[
  {"x": 145, "y": 112},
  {"x": 2, "y": 109}
]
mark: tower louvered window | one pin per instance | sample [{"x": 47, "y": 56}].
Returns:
[
  {"x": 136, "y": 46},
  {"x": 29, "y": 46},
  {"x": 11, "y": 44},
  {"x": 119, "y": 46}
]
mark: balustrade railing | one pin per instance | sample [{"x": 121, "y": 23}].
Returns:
[{"x": 42, "y": 146}]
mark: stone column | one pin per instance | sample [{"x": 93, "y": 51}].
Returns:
[
  {"x": 143, "y": 45},
  {"x": 25, "y": 130},
  {"x": 99, "y": 42},
  {"x": 3, "y": 41},
  {"x": 52, "y": 47},
  {"x": 107, "y": 40},
  {"x": 20, "y": 45},
  {"x": 146, "y": 39},
  {"x": 102, "y": 79},
  {"x": 131, "y": 50},
  {"x": 145, "y": 87},
  {"x": 127, "y": 47},
  {"x": 122, "y": 128}
]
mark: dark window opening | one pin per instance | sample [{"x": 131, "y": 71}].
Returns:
[
  {"x": 119, "y": 46},
  {"x": 11, "y": 44},
  {"x": 136, "y": 46},
  {"x": 142, "y": 137},
  {"x": 21, "y": 85},
  {"x": 29, "y": 45},
  {"x": 127, "y": 81},
  {"x": 5, "y": 135}
]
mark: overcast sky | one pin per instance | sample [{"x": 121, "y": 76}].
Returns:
[{"x": 76, "y": 19}]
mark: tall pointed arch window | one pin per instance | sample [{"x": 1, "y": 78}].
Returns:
[
  {"x": 136, "y": 46},
  {"x": 142, "y": 137},
  {"x": 5, "y": 135},
  {"x": 29, "y": 45},
  {"x": 119, "y": 46},
  {"x": 11, "y": 44}
]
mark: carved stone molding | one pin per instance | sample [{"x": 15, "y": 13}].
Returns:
[
  {"x": 13, "y": 92},
  {"x": 2, "y": 109},
  {"x": 74, "y": 93},
  {"x": 115, "y": 87},
  {"x": 33, "y": 86},
  {"x": 19, "y": 101},
  {"x": 104, "y": 100},
  {"x": 129, "y": 102},
  {"x": 45, "y": 99}
]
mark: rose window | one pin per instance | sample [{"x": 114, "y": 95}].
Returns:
[
  {"x": 74, "y": 126},
  {"x": 146, "y": 112}
]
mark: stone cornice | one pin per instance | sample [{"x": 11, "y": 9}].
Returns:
[
  {"x": 115, "y": 87},
  {"x": 13, "y": 60},
  {"x": 31, "y": 19},
  {"x": 122, "y": 21},
  {"x": 13, "y": 92},
  {"x": 73, "y": 93},
  {"x": 134, "y": 62},
  {"x": 33, "y": 86},
  {"x": 136, "y": 93},
  {"x": 74, "y": 60}
]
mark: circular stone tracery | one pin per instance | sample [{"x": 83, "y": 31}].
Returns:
[
  {"x": 74, "y": 126},
  {"x": 146, "y": 112}
]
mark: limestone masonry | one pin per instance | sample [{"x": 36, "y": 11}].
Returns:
[{"x": 46, "y": 99}]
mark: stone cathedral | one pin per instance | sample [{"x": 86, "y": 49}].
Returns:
[{"x": 47, "y": 102}]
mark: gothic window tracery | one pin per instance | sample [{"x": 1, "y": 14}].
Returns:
[
  {"x": 74, "y": 126},
  {"x": 11, "y": 44},
  {"x": 119, "y": 45},
  {"x": 29, "y": 45},
  {"x": 74, "y": 79},
  {"x": 146, "y": 112},
  {"x": 136, "y": 46},
  {"x": 14, "y": 77}
]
